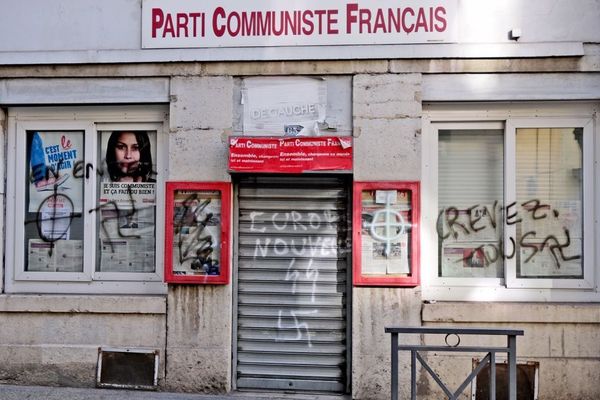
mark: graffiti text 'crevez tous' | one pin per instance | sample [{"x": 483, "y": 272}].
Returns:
[{"x": 455, "y": 223}]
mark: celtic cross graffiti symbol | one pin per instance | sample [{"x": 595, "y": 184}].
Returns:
[{"x": 393, "y": 224}]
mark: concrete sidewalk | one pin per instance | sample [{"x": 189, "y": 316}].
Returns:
[{"x": 11, "y": 392}]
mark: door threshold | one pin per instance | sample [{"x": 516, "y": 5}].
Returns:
[{"x": 277, "y": 395}]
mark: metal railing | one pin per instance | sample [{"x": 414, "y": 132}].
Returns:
[{"x": 489, "y": 359}]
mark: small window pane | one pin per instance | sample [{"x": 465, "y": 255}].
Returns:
[
  {"x": 126, "y": 210},
  {"x": 470, "y": 195},
  {"x": 550, "y": 197},
  {"x": 54, "y": 201}
]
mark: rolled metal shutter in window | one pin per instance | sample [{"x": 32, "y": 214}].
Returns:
[{"x": 292, "y": 283}]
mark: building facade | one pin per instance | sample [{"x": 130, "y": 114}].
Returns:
[{"x": 136, "y": 230}]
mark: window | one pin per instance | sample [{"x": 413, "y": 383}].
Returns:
[
  {"x": 470, "y": 197},
  {"x": 510, "y": 207},
  {"x": 85, "y": 209}
]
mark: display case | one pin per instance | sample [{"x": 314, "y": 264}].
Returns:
[
  {"x": 198, "y": 217},
  {"x": 386, "y": 233}
]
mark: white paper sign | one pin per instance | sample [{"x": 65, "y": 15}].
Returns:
[{"x": 284, "y": 106}]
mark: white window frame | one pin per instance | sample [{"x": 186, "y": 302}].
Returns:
[
  {"x": 20, "y": 186},
  {"x": 510, "y": 189},
  {"x": 431, "y": 170},
  {"x": 90, "y": 120},
  {"x": 511, "y": 116}
]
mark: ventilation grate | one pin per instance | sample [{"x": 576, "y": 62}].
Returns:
[{"x": 127, "y": 368}]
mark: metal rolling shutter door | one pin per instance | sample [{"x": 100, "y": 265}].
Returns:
[{"x": 292, "y": 270}]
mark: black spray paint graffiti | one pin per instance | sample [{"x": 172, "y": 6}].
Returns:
[
  {"x": 117, "y": 214},
  {"x": 481, "y": 217},
  {"x": 59, "y": 220},
  {"x": 59, "y": 224},
  {"x": 192, "y": 245}
]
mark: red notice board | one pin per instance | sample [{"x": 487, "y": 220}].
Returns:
[
  {"x": 385, "y": 220},
  {"x": 198, "y": 218}
]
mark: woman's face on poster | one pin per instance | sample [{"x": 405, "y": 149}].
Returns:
[{"x": 127, "y": 153}]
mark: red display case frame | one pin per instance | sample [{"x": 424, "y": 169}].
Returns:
[
  {"x": 225, "y": 223},
  {"x": 413, "y": 278}
]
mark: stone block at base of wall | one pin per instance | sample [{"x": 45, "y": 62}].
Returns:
[{"x": 198, "y": 371}]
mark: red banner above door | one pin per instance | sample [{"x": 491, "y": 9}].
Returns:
[{"x": 290, "y": 155}]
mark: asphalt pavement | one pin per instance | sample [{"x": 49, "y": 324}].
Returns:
[{"x": 11, "y": 392}]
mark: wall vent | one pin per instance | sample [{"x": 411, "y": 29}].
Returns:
[
  {"x": 127, "y": 368},
  {"x": 527, "y": 381}
]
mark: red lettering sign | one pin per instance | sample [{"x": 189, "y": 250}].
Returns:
[
  {"x": 236, "y": 23},
  {"x": 290, "y": 155}
]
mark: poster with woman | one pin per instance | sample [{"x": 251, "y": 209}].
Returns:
[
  {"x": 126, "y": 201},
  {"x": 128, "y": 175}
]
